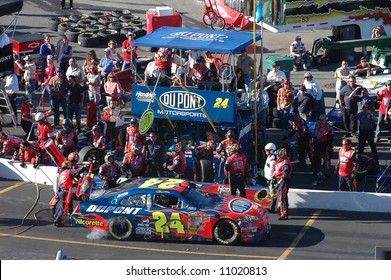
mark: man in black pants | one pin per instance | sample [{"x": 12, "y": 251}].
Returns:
[
  {"x": 367, "y": 131},
  {"x": 63, "y": 4}
]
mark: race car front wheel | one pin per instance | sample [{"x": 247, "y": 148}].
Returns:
[
  {"x": 121, "y": 228},
  {"x": 226, "y": 232}
]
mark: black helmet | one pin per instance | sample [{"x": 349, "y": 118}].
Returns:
[
  {"x": 133, "y": 121},
  {"x": 67, "y": 125}
]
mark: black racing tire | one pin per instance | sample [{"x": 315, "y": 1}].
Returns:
[
  {"x": 88, "y": 39},
  {"x": 287, "y": 147},
  {"x": 84, "y": 23},
  {"x": 118, "y": 25},
  {"x": 277, "y": 123},
  {"x": 137, "y": 23},
  {"x": 276, "y": 113},
  {"x": 121, "y": 228},
  {"x": 76, "y": 18},
  {"x": 120, "y": 13},
  {"x": 90, "y": 153},
  {"x": 64, "y": 26},
  {"x": 218, "y": 23},
  {"x": 126, "y": 18},
  {"x": 97, "y": 15},
  {"x": 95, "y": 28},
  {"x": 139, "y": 32},
  {"x": 107, "y": 35},
  {"x": 226, "y": 232},
  {"x": 208, "y": 17},
  {"x": 124, "y": 31},
  {"x": 106, "y": 20},
  {"x": 206, "y": 171},
  {"x": 54, "y": 22},
  {"x": 73, "y": 33}
]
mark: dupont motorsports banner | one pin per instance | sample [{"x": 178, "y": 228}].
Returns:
[
  {"x": 6, "y": 61},
  {"x": 182, "y": 105}
]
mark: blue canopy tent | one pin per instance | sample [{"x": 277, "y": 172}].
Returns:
[{"x": 219, "y": 41}]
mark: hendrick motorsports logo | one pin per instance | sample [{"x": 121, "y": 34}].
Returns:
[
  {"x": 239, "y": 205},
  {"x": 182, "y": 100},
  {"x": 144, "y": 96}
]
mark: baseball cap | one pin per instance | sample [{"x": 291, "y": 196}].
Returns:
[
  {"x": 363, "y": 58},
  {"x": 27, "y": 57},
  {"x": 388, "y": 83},
  {"x": 49, "y": 56},
  {"x": 298, "y": 37},
  {"x": 107, "y": 50},
  {"x": 275, "y": 64},
  {"x": 307, "y": 75},
  {"x": 286, "y": 82},
  {"x": 58, "y": 69},
  {"x": 130, "y": 33}
]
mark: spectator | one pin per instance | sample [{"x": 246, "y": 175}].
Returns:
[
  {"x": 285, "y": 98},
  {"x": 342, "y": 74},
  {"x": 246, "y": 63},
  {"x": 274, "y": 79},
  {"x": 155, "y": 155},
  {"x": 111, "y": 114},
  {"x": 76, "y": 71},
  {"x": 57, "y": 88},
  {"x": 93, "y": 82},
  {"x": 378, "y": 32},
  {"x": 384, "y": 117},
  {"x": 91, "y": 60},
  {"x": 66, "y": 55},
  {"x": 322, "y": 142},
  {"x": 50, "y": 70},
  {"x": 113, "y": 89},
  {"x": 76, "y": 98},
  {"x": 4, "y": 39},
  {"x": 29, "y": 69},
  {"x": 349, "y": 105},
  {"x": 364, "y": 99},
  {"x": 347, "y": 166},
  {"x": 366, "y": 128},
  {"x": 164, "y": 61},
  {"x": 130, "y": 52},
  {"x": 213, "y": 63},
  {"x": 314, "y": 89},
  {"x": 11, "y": 87},
  {"x": 298, "y": 51},
  {"x": 62, "y": 3},
  {"x": 105, "y": 66},
  {"x": 45, "y": 50},
  {"x": 303, "y": 103},
  {"x": 151, "y": 72},
  {"x": 238, "y": 83},
  {"x": 364, "y": 68},
  {"x": 115, "y": 55},
  {"x": 276, "y": 75}
]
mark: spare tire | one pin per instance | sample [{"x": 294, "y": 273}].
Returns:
[
  {"x": 64, "y": 26},
  {"x": 126, "y": 18},
  {"x": 88, "y": 39},
  {"x": 84, "y": 23},
  {"x": 139, "y": 33},
  {"x": 73, "y": 33},
  {"x": 124, "y": 31},
  {"x": 108, "y": 34},
  {"x": 54, "y": 22},
  {"x": 95, "y": 28},
  {"x": 92, "y": 154},
  {"x": 99, "y": 14},
  {"x": 119, "y": 13},
  {"x": 106, "y": 20},
  {"x": 206, "y": 171},
  {"x": 137, "y": 23},
  {"x": 118, "y": 25},
  {"x": 76, "y": 18}
]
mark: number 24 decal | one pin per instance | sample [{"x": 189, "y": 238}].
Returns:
[
  {"x": 164, "y": 226},
  {"x": 221, "y": 103}
]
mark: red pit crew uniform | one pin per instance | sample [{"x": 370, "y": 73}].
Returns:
[
  {"x": 236, "y": 170},
  {"x": 178, "y": 166},
  {"x": 282, "y": 173},
  {"x": 133, "y": 136},
  {"x": 109, "y": 172},
  {"x": 134, "y": 163}
]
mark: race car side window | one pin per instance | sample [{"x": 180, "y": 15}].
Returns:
[
  {"x": 165, "y": 201},
  {"x": 136, "y": 200}
]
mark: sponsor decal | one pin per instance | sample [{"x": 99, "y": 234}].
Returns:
[
  {"x": 113, "y": 209},
  {"x": 144, "y": 96},
  {"x": 199, "y": 36},
  {"x": 90, "y": 221},
  {"x": 223, "y": 189},
  {"x": 182, "y": 100},
  {"x": 33, "y": 45},
  {"x": 239, "y": 205}
]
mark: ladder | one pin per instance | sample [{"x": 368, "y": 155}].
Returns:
[{"x": 6, "y": 104}]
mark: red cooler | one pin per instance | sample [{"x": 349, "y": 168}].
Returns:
[{"x": 162, "y": 16}]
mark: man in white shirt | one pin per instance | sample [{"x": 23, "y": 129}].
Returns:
[{"x": 313, "y": 88}]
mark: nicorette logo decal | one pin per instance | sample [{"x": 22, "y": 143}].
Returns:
[{"x": 182, "y": 100}]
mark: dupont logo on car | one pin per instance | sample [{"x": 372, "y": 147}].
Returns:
[
  {"x": 240, "y": 206},
  {"x": 33, "y": 45},
  {"x": 182, "y": 100},
  {"x": 113, "y": 209}
]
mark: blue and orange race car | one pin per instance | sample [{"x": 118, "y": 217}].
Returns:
[{"x": 173, "y": 209}]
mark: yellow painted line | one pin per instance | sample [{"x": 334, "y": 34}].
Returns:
[
  {"x": 16, "y": 185},
  {"x": 137, "y": 248},
  {"x": 307, "y": 226}
]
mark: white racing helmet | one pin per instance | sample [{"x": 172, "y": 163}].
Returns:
[
  {"x": 39, "y": 116},
  {"x": 270, "y": 146}
]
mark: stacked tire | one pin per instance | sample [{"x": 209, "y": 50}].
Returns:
[
  {"x": 277, "y": 121},
  {"x": 54, "y": 22}
]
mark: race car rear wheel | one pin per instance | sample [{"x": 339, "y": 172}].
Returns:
[
  {"x": 226, "y": 232},
  {"x": 121, "y": 228}
]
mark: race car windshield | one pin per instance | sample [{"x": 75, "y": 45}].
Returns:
[{"x": 201, "y": 199}]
